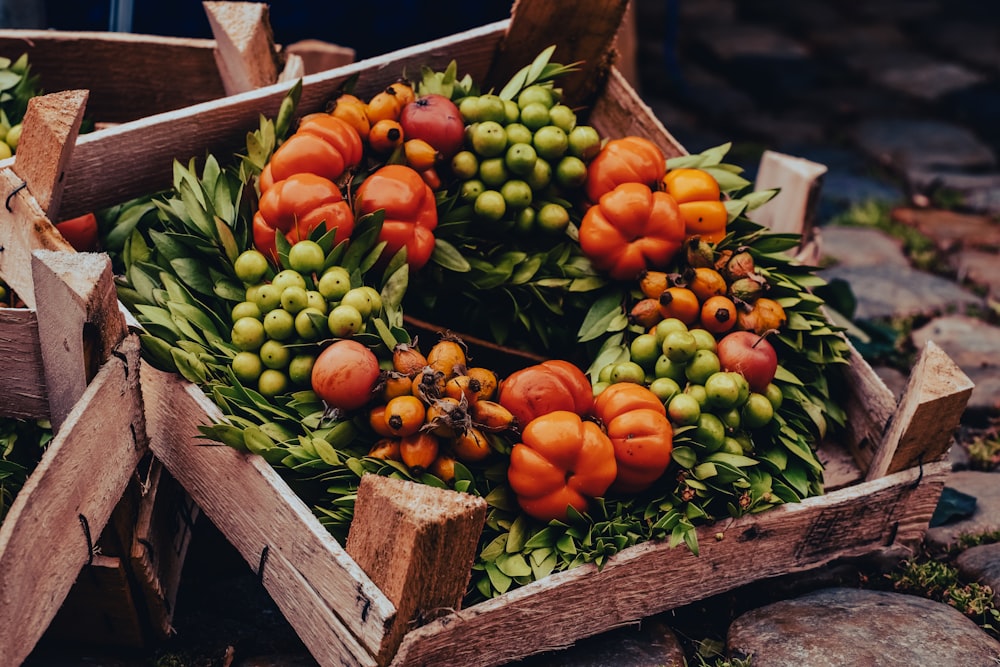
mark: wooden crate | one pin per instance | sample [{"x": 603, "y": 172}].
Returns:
[
  {"x": 115, "y": 526},
  {"x": 884, "y": 477},
  {"x": 133, "y": 76}
]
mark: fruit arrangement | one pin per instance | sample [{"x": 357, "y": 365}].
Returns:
[{"x": 690, "y": 362}]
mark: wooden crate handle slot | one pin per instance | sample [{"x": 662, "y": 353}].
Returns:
[
  {"x": 51, "y": 126},
  {"x": 79, "y": 322},
  {"x": 418, "y": 544},
  {"x": 921, "y": 428},
  {"x": 581, "y": 31},
  {"x": 67, "y": 501},
  {"x": 245, "y": 51}
]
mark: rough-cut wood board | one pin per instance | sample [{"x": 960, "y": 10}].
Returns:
[
  {"x": 257, "y": 511},
  {"x": 22, "y": 382},
  {"x": 79, "y": 323},
  {"x": 103, "y": 169},
  {"x": 927, "y": 416},
  {"x": 425, "y": 564},
  {"x": 23, "y": 229},
  {"x": 868, "y": 406},
  {"x": 318, "y": 56},
  {"x": 160, "y": 540},
  {"x": 245, "y": 51},
  {"x": 619, "y": 111},
  {"x": 129, "y": 76},
  {"x": 51, "y": 125},
  {"x": 581, "y": 32},
  {"x": 79, "y": 480},
  {"x": 799, "y": 180},
  {"x": 651, "y": 578}
]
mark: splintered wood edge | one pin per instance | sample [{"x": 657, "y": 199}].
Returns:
[
  {"x": 259, "y": 514},
  {"x": 64, "y": 500},
  {"x": 23, "y": 229},
  {"x": 651, "y": 578},
  {"x": 79, "y": 322},
  {"x": 51, "y": 125},
  {"x": 418, "y": 544},
  {"x": 798, "y": 180},
  {"x": 924, "y": 423},
  {"x": 22, "y": 383},
  {"x": 245, "y": 44},
  {"x": 318, "y": 56}
]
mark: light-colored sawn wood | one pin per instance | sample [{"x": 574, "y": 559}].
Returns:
[
  {"x": 61, "y": 510},
  {"x": 245, "y": 51}
]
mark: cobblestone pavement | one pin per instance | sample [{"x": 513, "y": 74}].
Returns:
[{"x": 900, "y": 100}]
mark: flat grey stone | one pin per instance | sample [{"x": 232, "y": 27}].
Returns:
[
  {"x": 846, "y": 627},
  {"x": 978, "y": 192},
  {"x": 985, "y": 488},
  {"x": 908, "y": 145},
  {"x": 974, "y": 346},
  {"x": 950, "y": 230},
  {"x": 884, "y": 291},
  {"x": 843, "y": 189},
  {"x": 861, "y": 246},
  {"x": 930, "y": 80},
  {"x": 982, "y": 565},
  {"x": 979, "y": 267}
]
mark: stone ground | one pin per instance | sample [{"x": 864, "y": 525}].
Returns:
[{"x": 899, "y": 99}]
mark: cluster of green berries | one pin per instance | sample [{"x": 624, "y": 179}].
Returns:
[
  {"x": 522, "y": 157},
  {"x": 680, "y": 365},
  {"x": 286, "y": 315}
]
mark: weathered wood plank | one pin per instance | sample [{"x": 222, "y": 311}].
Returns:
[
  {"x": 102, "y": 170},
  {"x": 51, "y": 125},
  {"x": 244, "y": 44},
  {"x": 799, "y": 180},
  {"x": 79, "y": 323},
  {"x": 651, "y": 578},
  {"x": 869, "y": 404},
  {"x": 418, "y": 544},
  {"x": 256, "y": 510},
  {"x": 924, "y": 423},
  {"x": 318, "y": 56},
  {"x": 23, "y": 229},
  {"x": 65, "y": 503},
  {"x": 581, "y": 32},
  {"x": 619, "y": 111},
  {"x": 129, "y": 76},
  {"x": 22, "y": 382}
]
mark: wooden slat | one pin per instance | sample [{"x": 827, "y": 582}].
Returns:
[
  {"x": 868, "y": 406},
  {"x": 85, "y": 469},
  {"x": 23, "y": 229},
  {"x": 129, "y": 76},
  {"x": 580, "y": 31},
  {"x": 103, "y": 170},
  {"x": 245, "y": 51},
  {"x": 619, "y": 111},
  {"x": 256, "y": 510},
  {"x": 22, "y": 382},
  {"x": 318, "y": 56},
  {"x": 928, "y": 414},
  {"x": 418, "y": 544},
  {"x": 51, "y": 125},
  {"x": 794, "y": 209},
  {"x": 651, "y": 578},
  {"x": 79, "y": 323}
]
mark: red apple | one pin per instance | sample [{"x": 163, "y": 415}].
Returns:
[
  {"x": 750, "y": 355},
  {"x": 437, "y": 120}
]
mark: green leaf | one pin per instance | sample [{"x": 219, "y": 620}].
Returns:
[{"x": 513, "y": 565}]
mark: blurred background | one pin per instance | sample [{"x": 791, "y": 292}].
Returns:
[{"x": 370, "y": 28}]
